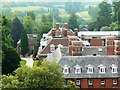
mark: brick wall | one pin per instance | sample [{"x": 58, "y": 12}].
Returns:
[
  {"x": 97, "y": 83},
  {"x": 96, "y": 42}
]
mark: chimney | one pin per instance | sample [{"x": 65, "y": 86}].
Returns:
[
  {"x": 82, "y": 36},
  {"x": 64, "y": 32},
  {"x": 66, "y": 25},
  {"x": 57, "y": 26},
  {"x": 76, "y": 31},
  {"x": 53, "y": 32}
]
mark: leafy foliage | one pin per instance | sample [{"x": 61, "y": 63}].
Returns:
[
  {"x": 105, "y": 13},
  {"x": 105, "y": 28},
  {"x": 71, "y": 85},
  {"x": 24, "y": 43},
  {"x": 116, "y": 9},
  {"x": 10, "y": 59},
  {"x": 73, "y": 7},
  {"x": 73, "y": 21},
  {"x": 17, "y": 28},
  {"x": 46, "y": 76},
  {"x": 28, "y": 24},
  {"x": 93, "y": 12},
  {"x": 31, "y": 14}
]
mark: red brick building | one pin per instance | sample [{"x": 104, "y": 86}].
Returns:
[{"x": 90, "y": 59}]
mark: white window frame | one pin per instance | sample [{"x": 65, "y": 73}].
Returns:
[
  {"x": 77, "y": 69},
  {"x": 114, "y": 81},
  {"x": 114, "y": 68},
  {"x": 90, "y": 82},
  {"x": 52, "y": 48},
  {"x": 65, "y": 69},
  {"x": 102, "y": 82},
  {"x": 102, "y": 69},
  {"x": 90, "y": 68},
  {"x": 77, "y": 82}
]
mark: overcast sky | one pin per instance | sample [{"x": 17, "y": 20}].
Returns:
[
  {"x": 53, "y": 0},
  {"x": 58, "y": 0}
]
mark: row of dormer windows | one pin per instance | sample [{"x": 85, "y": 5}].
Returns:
[{"x": 90, "y": 69}]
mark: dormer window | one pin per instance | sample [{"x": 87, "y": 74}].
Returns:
[
  {"x": 102, "y": 68},
  {"x": 113, "y": 68},
  {"x": 52, "y": 48},
  {"x": 77, "y": 69},
  {"x": 65, "y": 69},
  {"x": 90, "y": 68}
]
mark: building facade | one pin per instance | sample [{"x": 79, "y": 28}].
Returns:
[{"x": 90, "y": 59}]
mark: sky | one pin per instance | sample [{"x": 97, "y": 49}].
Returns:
[{"x": 55, "y": 0}]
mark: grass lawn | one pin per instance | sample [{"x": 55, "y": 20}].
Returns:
[{"x": 22, "y": 62}]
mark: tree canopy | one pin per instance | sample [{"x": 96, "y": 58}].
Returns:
[
  {"x": 72, "y": 22},
  {"x": 17, "y": 28},
  {"x": 10, "y": 59},
  {"x": 28, "y": 24},
  {"x": 47, "y": 75},
  {"x": 24, "y": 43},
  {"x": 73, "y": 7}
]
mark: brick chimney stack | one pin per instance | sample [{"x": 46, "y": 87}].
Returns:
[
  {"x": 57, "y": 26},
  {"x": 76, "y": 31},
  {"x": 53, "y": 32},
  {"x": 66, "y": 25},
  {"x": 110, "y": 45},
  {"x": 64, "y": 32}
]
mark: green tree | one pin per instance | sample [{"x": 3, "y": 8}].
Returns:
[
  {"x": 105, "y": 28},
  {"x": 10, "y": 59},
  {"x": 73, "y": 7},
  {"x": 31, "y": 14},
  {"x": 93, "y": 12},
  {"x": 17, "y": 28},
  {"x": 116, "y": 9},
  {"x": 9, "y": 81},
  {"x": 24, "y": 43},
  {"x": 105, "y": 13},
  {"x": 47, "y": 75},
  {"x": 71, "y": 85},
  {"x": 43, "y": 18},
  {"x": 28, "y": 25},
  {"x": 72, "y": 22}
]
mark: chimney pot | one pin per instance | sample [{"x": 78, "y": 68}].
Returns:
[
  {"x": 66, "y": 25},
  {"x": 57, "y": 26},
  {"x": 53, "y": 32},
  {"x": 64, "y": 32},
  {"x": 76, "y": 31}
]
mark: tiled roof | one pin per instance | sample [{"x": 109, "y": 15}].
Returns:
[
  {"x": 55, "y": 41},
  {"x": 92, "y": 60}
]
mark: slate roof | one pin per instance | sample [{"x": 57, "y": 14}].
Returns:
[
  {"x": 89, "y": 50},
  {"x": 93, "y": 60},
  {"x": 55, "y": 41}
]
